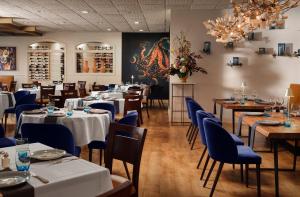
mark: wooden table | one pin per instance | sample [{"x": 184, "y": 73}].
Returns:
[
  {"x": 275, "y": 134},
  {"x": 249, "y": 106}
]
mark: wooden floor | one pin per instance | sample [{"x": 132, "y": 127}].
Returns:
[{"x": 168, "y": 167}]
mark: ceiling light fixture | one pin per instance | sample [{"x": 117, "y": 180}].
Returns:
[
  {"x": 108, "y": 29},
  {"x": 84, "y": 12},
  {"x": 141, "y": 30}
]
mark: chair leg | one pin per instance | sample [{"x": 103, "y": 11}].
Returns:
[
  {"x": 258, "y": 180},
  {"x": 205, "y": 166},
  {"x": 5, "y": 122},
  {"x": 242, "y": 173},
  {"x": 209, "y": 173},
  {"x": 141, "y": 116},
  {"x": 202, "y": 156},
  {"x": 191, "y": 134},
  {"x": 126, "y": 169},
  {"x": 189, "y": 129},
  {"x": 216, "y": 179},
  {"x": 194, "y": 140},
  {"x": 247, "y": 175},
  {"x": 90, "y": 155},
  {"x": 100, "y": 159}
]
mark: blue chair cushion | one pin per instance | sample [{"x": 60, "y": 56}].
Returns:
[
  {"x": 247, "y": 156},
  {"x": 77, "y": 151},
  {"x": 97, "y": 145},
  {"x": 237, "y": 140},
  {"x": 10, "y": 110},
  {"x": 7, "y": 142}
]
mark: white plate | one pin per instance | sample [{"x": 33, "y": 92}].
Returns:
[
  {"x": 12, "y": 178},
  {"x": 254, "y": 113},
  {"x": 270, "y": 122},
  {"x": 46, "y": 155}
]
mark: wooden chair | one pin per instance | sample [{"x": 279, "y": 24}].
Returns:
[
  {"x": 45, "y": 92},
  {"x": 57, "y": 100},
  {"x": 82, "y": 92},
  {"x": 145, "y": 100},
  {"x": 69, "y": 94},
  {"x": 27, "y": 85},
  {"x": 99, "y": 87},
  {"x": 36, "y": 83},
  {"x": 69, "y": 86},
  {"x": 135, "y": 90},
  {"x": 126, "y": 146},
  {"x": 134, "y": 102},
  {"x": 81, "y": 84},
  {"x": 122, "y": 190},
  {"x": 12, "y": 87}
]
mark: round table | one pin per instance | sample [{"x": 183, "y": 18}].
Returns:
[
  {"x": 7, "y": 100},
  {"x": 85, "y": 127}
]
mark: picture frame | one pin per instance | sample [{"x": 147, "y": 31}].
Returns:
[
  {"x": 261, "y": 51},
  {"x": 8, "y": 58},
  {"x": 281, "y": 49},
  {"x": 207, "y": 47}
]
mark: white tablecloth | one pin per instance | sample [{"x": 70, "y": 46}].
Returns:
[
  {"x": 117, "y": 95},
  {"x": 76, "y": 178},
  {"x": 4, "y": 102},
  {"x": 84, "y": 127},
  {"x": 75, "y": 103},
  {"x": 37, "y": 91}
]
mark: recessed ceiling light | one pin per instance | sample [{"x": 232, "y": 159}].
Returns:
[
  {"x": 141, "y": 30},
  {"x": 84, "y": 12},
  {"x": 108, "y": 29},
  {"x": 136, "y": 22}
]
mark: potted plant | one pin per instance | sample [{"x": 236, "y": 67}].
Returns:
[{"x": 186, "y": 61}]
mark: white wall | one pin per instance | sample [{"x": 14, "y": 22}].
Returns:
[
  {"x": 70, "y": 40},
  {"x": 267, "y": 75}
]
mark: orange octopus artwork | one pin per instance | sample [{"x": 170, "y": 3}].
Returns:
[{"x": 153, "y": 61}]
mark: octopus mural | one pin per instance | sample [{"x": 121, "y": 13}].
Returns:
[{"x": 152, "y": 59}]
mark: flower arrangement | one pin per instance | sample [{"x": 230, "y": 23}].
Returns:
[{"x": 186, "y": 61}]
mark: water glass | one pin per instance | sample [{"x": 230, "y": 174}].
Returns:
[
  {"x": 69, "y": 109},
  {"x": 22, "y": 155},
  {"x": 86, "y": 108},
  {"x": 50, "y": 108},
  {"x": 268, "y": 111}
]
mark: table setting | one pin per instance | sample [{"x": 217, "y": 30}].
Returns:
[{"x": 39, "y": 170}]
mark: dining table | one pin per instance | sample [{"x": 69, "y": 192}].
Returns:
[
  {"x": 237, "y": 106},
  {"x": 276, "y": 133},
  {"x": 7, "y": 100},
  {"x": 68, "y": 176},
  {"x": 85, "y": 127}
]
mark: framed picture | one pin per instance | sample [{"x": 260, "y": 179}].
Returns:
[
  {"x": 8, "y": 58},
  {"x": 262, "y": 51},
  {"x": 281, "y": 49},
  {"x": 207, "y": 47}
]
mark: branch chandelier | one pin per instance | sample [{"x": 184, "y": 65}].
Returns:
[{"x": 247, "y": 17}]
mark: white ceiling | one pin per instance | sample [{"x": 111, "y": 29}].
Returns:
[{"x": 116, "y": 15}]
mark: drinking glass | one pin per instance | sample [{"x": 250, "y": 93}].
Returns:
[
  {"x": 268, "y": 111},
  {"x": 69, "y": 109},
  {"x": 254, "y": 94},
  {"x": 22, "y": 154},
  {"x": 50, "y": 108},
  {"x": 86, "y": 108}
]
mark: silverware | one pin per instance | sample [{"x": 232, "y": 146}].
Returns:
[{"x": 42, "y": 179}]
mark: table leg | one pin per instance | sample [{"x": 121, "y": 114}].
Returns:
[
  {"x": 233, "y": 122},
  {"x": 275, "y": 144}
]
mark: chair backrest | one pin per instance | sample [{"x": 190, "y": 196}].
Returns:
[
  {"x": 19, "y": 94},
  {"x": 221, "y": 147},
  {"x": 132, "y": 102},
  {"x": 99, "y": 87},
  {"x": 193, "y": 107},
  {"x": 187, "y": 98},
  {"x": 69, "y": 86},
  {"x": 27, "y": 99},
  {"x": 130, "y": 119},
  {"x": 126, "y": 149},
  {"x": 13, "y": 85},
  {"x": 135, "y": 90},
  {"x": 69, "y": 94},
  {"x": 122, "y": 190},
  {"x": 36, "y": 83},
  {"x": 27, "y": 85},
  {"x": 295, "y": 100},
  {"x": 58, "y": 101},
  {"x": 200, "y": 115},
  {"x": 53, "y": 135},
  {"x": 26, "y": 107},
  {"x": 82, "y": 92},
  {"x": 46, "y": 91},
  {"x": 107, "y": 106},
  {"x": 81, "y": 84}
]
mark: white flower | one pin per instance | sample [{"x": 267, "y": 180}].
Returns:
[{"x": 183, "y": 69}]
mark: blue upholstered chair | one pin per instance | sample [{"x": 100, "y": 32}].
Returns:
[
  {"x": 5, "y": 141},
  {"x": 106, "y": 106},
  {"x": 201, "y": 115},
  {"x": 19, "y": 94},
  {"x": 187, "y": 99},
  {"x": 222, "y": 148},
  {"x": 193, "y": 106},
  {"x": 53, "y": 135},
  {"x": 26, "y": 99}
]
